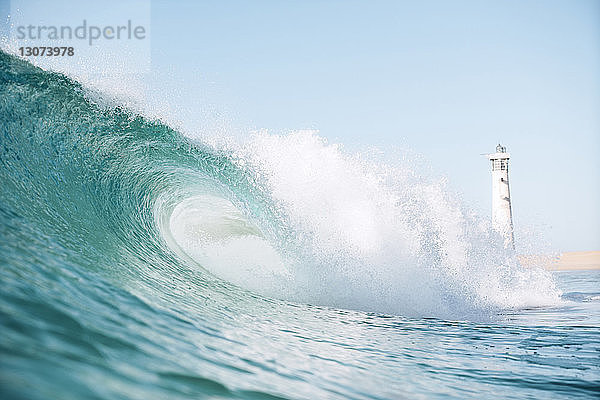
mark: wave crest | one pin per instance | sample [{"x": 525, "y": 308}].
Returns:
[{"x": 356, "y": 233}]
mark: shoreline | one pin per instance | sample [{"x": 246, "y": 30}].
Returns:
[{"x": 566, "y": 261}]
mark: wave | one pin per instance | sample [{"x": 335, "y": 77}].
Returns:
[{"x": 286, "y": 216}]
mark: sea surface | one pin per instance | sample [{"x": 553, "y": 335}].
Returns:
[{"x": 139, "y": 263}]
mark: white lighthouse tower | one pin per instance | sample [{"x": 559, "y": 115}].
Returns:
[{"x": 501, "y": 207}]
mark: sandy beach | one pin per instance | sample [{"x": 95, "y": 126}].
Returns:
[{"x": 567, "y": 261}]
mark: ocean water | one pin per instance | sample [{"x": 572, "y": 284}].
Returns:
[{"x": 138, "y": 263}]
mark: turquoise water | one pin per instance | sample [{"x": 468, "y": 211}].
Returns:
[{"x": 138, "y": 263}]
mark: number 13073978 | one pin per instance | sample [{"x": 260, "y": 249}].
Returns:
[{"x": 46, "y": 51}]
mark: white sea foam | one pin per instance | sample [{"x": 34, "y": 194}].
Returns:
[{"x": 365, "y": 235}]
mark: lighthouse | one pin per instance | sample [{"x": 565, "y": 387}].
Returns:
[{"x": 501, "y": 207}]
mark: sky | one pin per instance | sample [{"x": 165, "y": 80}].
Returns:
[{"x": 448, "y": 80}]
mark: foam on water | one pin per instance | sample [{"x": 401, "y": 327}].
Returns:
[{"x": 364, "y": 235}]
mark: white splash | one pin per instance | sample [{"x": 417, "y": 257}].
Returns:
[{"x": 366, "y": 235}]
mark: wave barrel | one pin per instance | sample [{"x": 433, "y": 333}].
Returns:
[{"x": 501, "y": 204}]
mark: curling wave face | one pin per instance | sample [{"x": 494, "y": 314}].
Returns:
[{"x": 289, "y": 217}]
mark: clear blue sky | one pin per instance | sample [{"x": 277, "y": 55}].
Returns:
[{"x": 447, "y": 79}]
